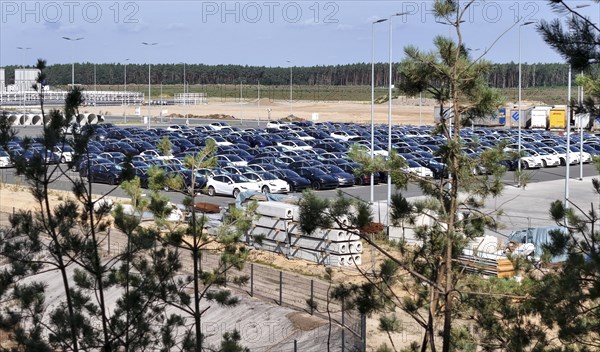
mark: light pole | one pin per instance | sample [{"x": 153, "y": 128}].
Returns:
[
  {"x": 389, "y": 176},
  {"x": 291, "y": 90},
  {"x": 241, "y": 104},
  {"x": 520, "y": 112},
  {"x": 373, "y": 101},
  {"x": 73, "y": 59},
  {"x": 21, "y": 89},
  {"x": 125, "y": 81},
  {"x": 149, "y": 85},
  {"x": 258, "y": 103},
  {"x": 568, "y": 155},
  {"x": 581, "y": 134},
  {"x": 568, "y": 164},
  {"x": 187, "y": 121}
]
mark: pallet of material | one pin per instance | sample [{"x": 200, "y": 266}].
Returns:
[{"x": 499, "y": 267}]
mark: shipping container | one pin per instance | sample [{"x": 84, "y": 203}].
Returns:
[
  {"x": 496, "y": 119},
  {"x": 514, "y": 118},
  {"x": 558, "y": 119},
  {"x": 540, "y": 116}
]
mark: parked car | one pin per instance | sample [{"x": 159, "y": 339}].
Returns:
[
  {"x": 318, "y": 178},
  {"x": 268, "y": 182},
  {"x": 5, "y": 159},
  {"x": 296, "y": 182},
  {"x": 105, "y": 173},
  {"x": 230, "y": 185}
]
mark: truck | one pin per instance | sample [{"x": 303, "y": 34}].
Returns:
[
  {"x": 558, "y": 119},
  {"x": 539, "y": 117}
]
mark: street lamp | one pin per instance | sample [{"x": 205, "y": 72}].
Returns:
[
  {"x": 520, "y": 112},
  {"x": 149, "y": 84},
  {"x": 73, "y": 59},
  {"x": 568, "y": 164},
  {"x": 373, "y": 101},
  {"x": 241, "y": 103},
  {"x": 291, "y": 77},
  {"x": 389, "y": 176},
  {"x": 187, "y": 121}
]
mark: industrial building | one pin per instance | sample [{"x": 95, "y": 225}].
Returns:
[
  {"x": 2, "y": 81},
  {"x": 25, "y": 78}
]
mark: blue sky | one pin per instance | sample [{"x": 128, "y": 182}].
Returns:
[{"x": 266, "y": 33}]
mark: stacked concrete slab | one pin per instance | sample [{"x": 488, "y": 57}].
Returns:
[{"x": 278, "y": 230}]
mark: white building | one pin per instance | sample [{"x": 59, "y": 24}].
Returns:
[
  {"x": 25, "y": 78},
  {"x": 2, "y": 81}
]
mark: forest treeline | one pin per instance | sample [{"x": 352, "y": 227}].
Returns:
[{"x": 359, "y": 74}]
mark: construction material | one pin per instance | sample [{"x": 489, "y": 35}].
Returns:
[
  {"x": 276, "y": 209},
  {"x": 277, "y": 230}
]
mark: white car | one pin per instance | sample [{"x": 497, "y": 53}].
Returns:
[
  {"x": 232, "y": 159},
  {"x": 277, "y": 124},
  {"x": 527, "y": 161},
  {"x": 217, "y": 126},
  {"x": 301, "y": 135},
  {"x": 268, "y": 182},
  {"x": 547, "y": 160},
  {"x": 64, "y": 153},
  {"x": 415, "y": 168},
  {"x": 230, "y": 185},
  {"x": 562, "y": 155},
  {"x": 153, "y": 154},
  {"x": 585, "y": 156},
  {"x": 343, "y": 135},
  {"x": 294, "y": 145},
  {"x": 4, "y": 159},
  {"x": 376, "y": 151}
]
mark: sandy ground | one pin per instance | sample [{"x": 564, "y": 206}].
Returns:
[
  {"x": 13, "y": 197},
  {"x": 359, "y": 112}
]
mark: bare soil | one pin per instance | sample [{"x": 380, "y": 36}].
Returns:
[{"x": 360, "y": 112}]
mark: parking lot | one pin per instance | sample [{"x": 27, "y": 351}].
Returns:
[{"x": 303, "y": 154}]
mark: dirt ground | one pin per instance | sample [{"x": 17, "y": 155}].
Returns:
[
  {"x": 15, "y": 197},
  {"x": 403, "y": 112}
]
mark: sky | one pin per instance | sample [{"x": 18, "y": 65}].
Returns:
[{"x": 262, "y": 33}]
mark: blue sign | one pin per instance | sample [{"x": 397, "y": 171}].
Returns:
[{"x": 515, "y": 116}]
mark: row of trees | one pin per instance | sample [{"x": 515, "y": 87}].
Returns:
[{"x": 499, "y": 75}]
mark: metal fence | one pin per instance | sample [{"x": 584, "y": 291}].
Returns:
[{"x": 274, "y": 286}]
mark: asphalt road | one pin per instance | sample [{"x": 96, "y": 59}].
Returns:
[{"x": 361, "y": 192}]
